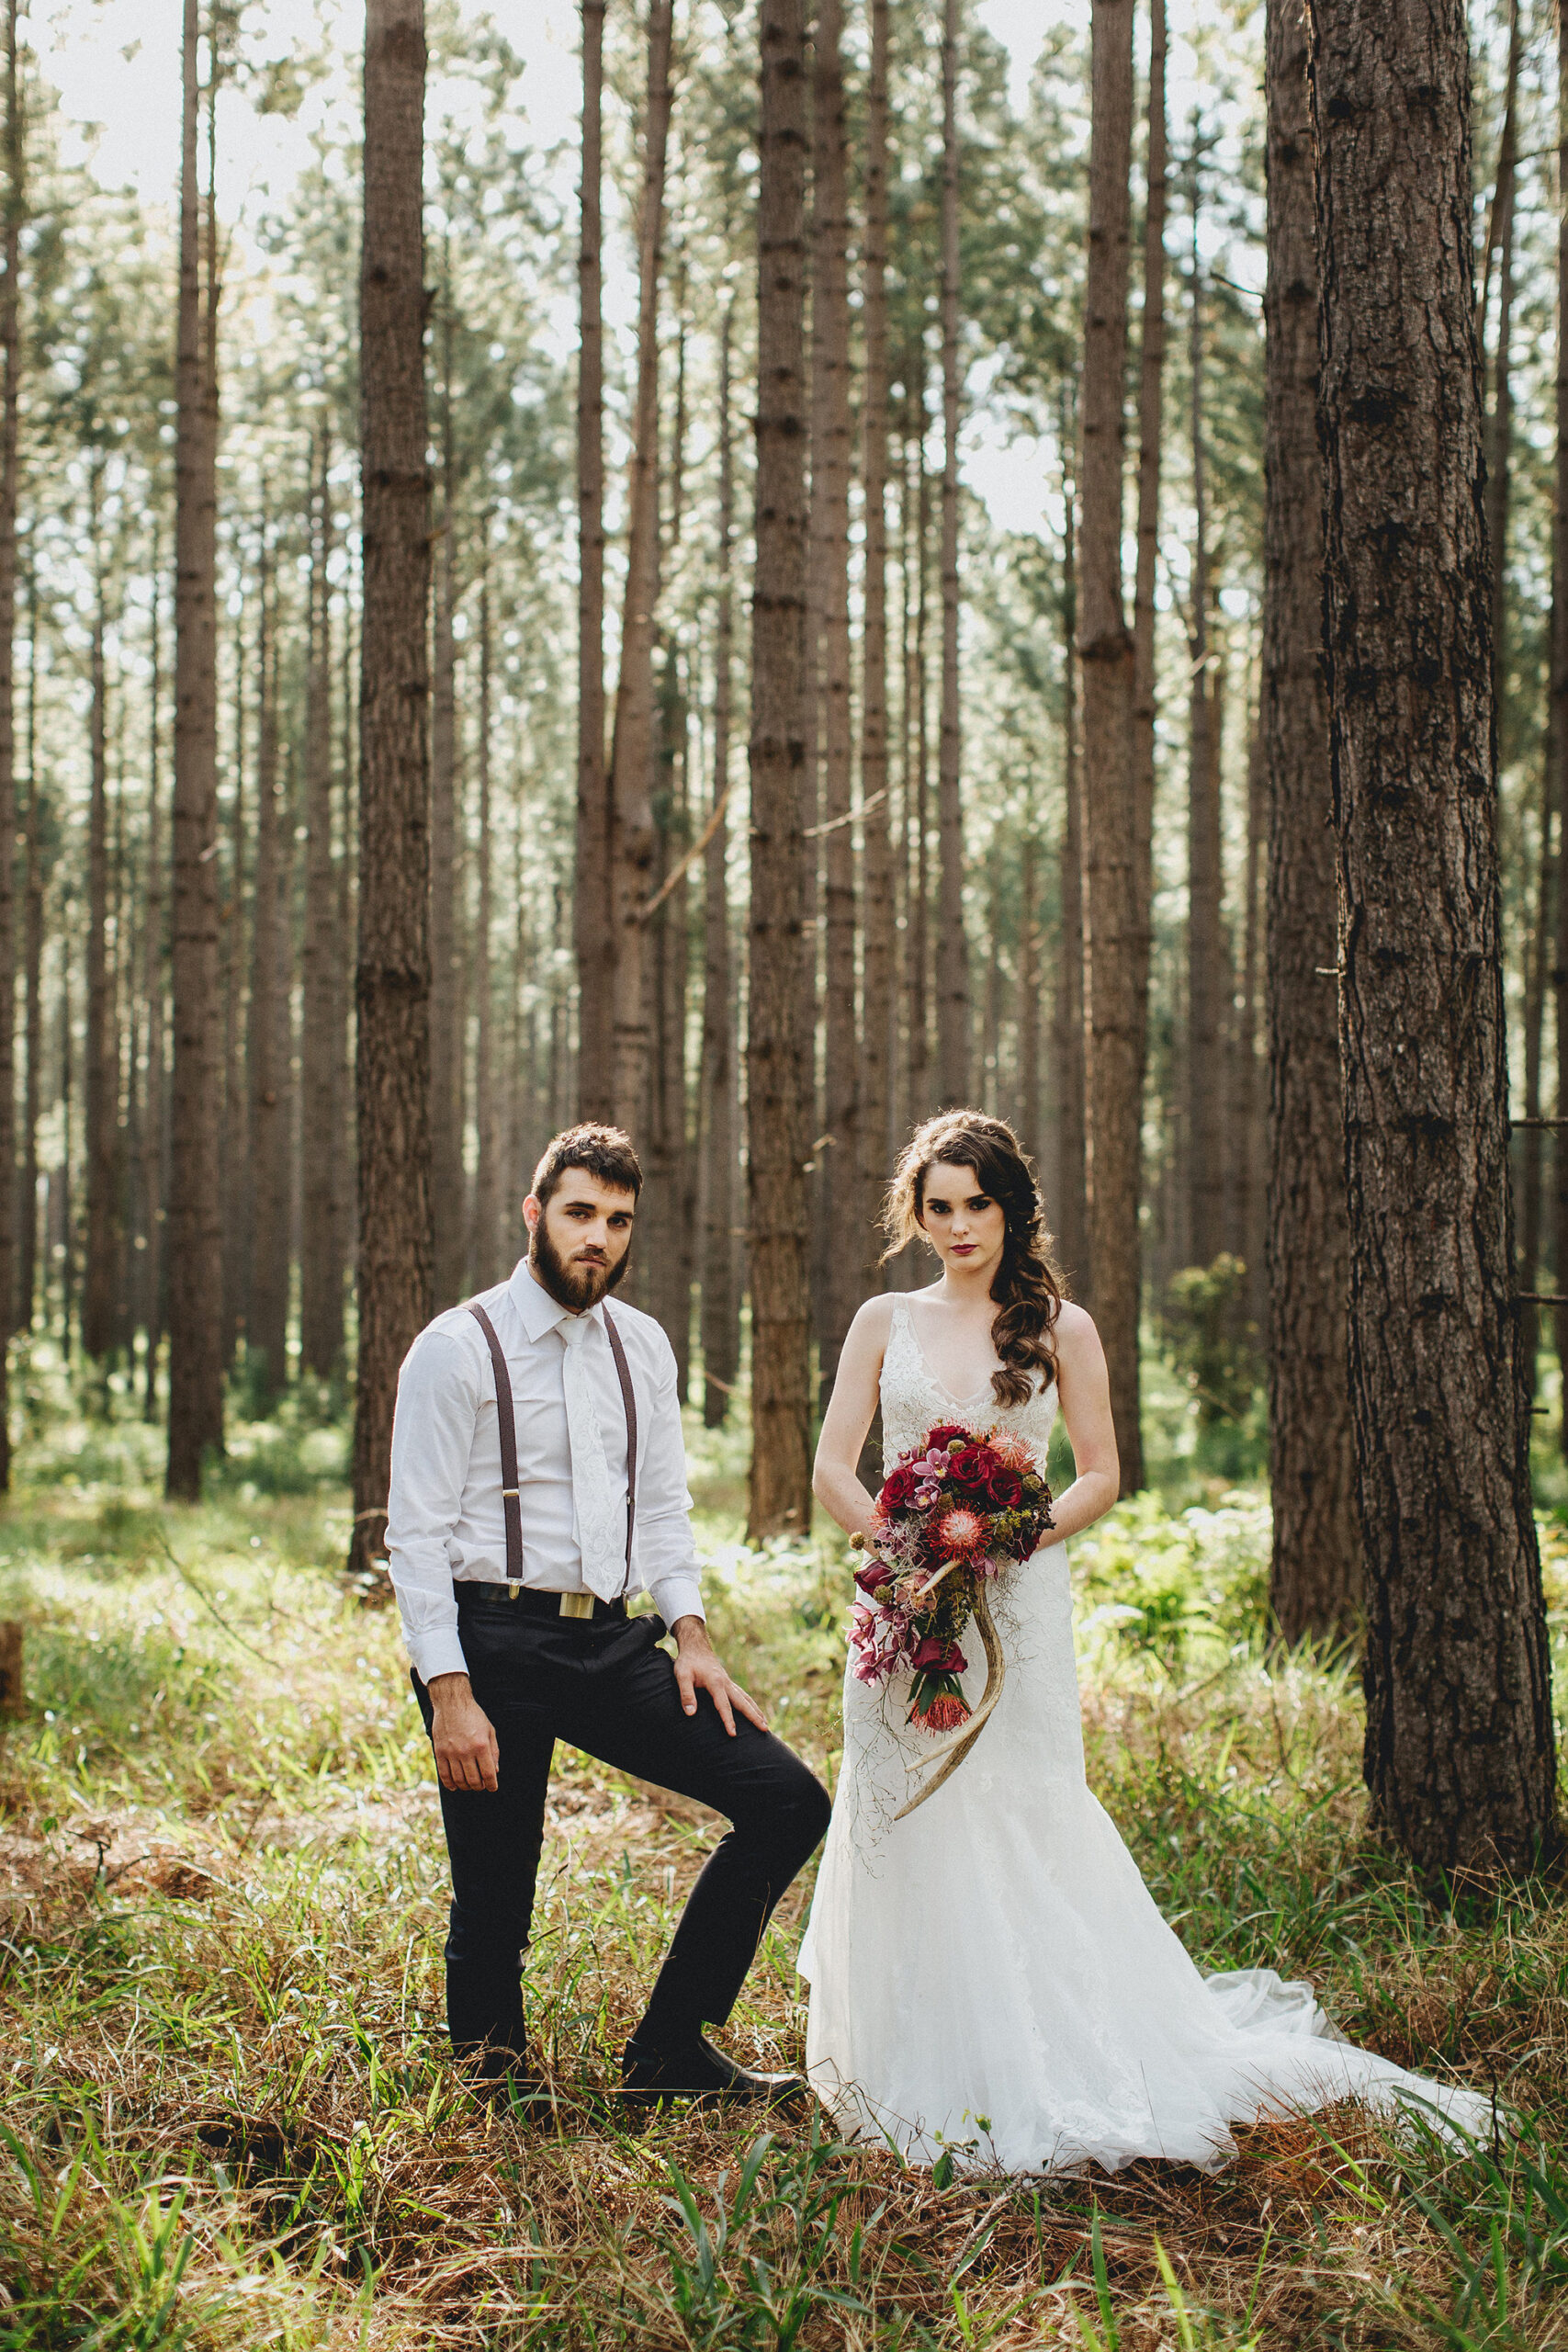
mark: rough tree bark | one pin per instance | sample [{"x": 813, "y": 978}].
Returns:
[
  {"x": 781, "y": 1350},
  {"x": 1112, "y": 909},
  {"x": 32, "y": 1092},
  {"x": 878, "y": 1023},
  {"x": 393, "y": 976},
  {"x": 594, "y": 932},
  {"x": 633, "y": 840},
  {"x": 196, "y": 1233},
  {"x": 1315, "y": 1571},
  {"x": 1459, "y": 1750},
  {"x": 1557, "y": 731},
  {"x": 830, "y": 459},
  {"x": 952, "y": 955},
  {"x": 11, "y": 359},
  {"x": 484, "y": 1252}
]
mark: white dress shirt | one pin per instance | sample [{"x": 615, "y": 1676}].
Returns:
[{"x": 445, "y": 1517}]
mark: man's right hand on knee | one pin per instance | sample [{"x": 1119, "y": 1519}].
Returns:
[{"x": 462, "y": 1735}]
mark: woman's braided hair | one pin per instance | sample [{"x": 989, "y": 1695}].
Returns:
[{"x": 1028, "y": 1283}]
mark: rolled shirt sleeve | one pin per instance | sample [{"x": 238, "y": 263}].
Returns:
[
  {"x": 440, "y": 1391},
  {"x": 665, "y": 1550}
]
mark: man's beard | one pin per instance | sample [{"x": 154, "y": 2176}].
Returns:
[{"x": 574, "y": 1287}]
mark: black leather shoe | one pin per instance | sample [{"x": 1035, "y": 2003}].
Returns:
[
  {"x": 696, "y": 2070},
  {"x": 504, "y": 2078}
]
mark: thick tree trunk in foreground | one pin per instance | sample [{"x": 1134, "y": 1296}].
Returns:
[
  {"x": 392, "y": 979},
  {"x": 633, "y": 840},
  {"x": 594, "y": 939},
  {"x": 1112, "y": 912},
  {"x": 1315, "y": 1575},
  {"x": 952, "y": 955},
  {"x": 878, "y": 1026},
  {"x": 830, "y": 451},
  {"x": 719, "y": 1092},
  {"x": 1459, "y": 1752},
  {"x": 196, "y": 1233},
  {"x": 446, "y": 974},
  {"x": 781, "y": 1337}
]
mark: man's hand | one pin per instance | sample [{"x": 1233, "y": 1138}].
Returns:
[
  {"x": 463, "y": 1737},
  {"x": 697, "y": 1667}
]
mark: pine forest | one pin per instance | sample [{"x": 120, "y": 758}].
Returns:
[{"x": 755, "y": 573}]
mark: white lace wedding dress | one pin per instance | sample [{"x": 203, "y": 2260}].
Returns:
[{"x": 990, "y": 1975}]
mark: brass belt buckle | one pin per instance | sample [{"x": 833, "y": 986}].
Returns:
[{"x": 577, "y": 1604}]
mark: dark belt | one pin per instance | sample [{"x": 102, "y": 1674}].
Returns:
[{"x": 574, "y": 1608}]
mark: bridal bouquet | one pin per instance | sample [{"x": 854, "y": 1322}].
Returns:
[{"x": 954, "y": 1511}]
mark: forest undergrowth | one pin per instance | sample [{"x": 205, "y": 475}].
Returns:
[{"x": 227, "y": 2119}]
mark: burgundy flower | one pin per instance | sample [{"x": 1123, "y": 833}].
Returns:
[
  {"x": 874, "y": 1578},
  {"x": 937, "y": 1656},
  {"x": 974, "y": 1468},
  {"x": 1005, "y": 1488},
  {"x": 942, "y": 1437},
  {"x": 899, "y": 1489}
]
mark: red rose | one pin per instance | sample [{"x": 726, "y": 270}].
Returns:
[
  {"x": 1005, "y": 1489},
  {"x": 899, "y": 1489},
  {"x": 937, "y": 1656},
  {"x": 974, "y": 1468},
  {"x": 943, "y": 1434}
]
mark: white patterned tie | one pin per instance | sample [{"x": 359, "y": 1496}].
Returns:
[{"x": 599, "y": 1510}]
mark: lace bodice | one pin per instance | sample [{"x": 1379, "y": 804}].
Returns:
[{"x": 913, "y": 1400}]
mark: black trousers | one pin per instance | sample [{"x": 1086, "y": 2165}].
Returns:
[{"x": 608, "y": 1688}]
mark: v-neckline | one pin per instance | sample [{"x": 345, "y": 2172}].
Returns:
[{"x": 941, "y": 1386}]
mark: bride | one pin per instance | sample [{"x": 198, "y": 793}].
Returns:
[{"x": 989, "y": 1976}]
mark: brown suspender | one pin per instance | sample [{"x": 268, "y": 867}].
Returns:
[{"x": 506, "y": 1419}]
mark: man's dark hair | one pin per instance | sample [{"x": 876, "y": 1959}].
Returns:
[{"x": 606, "y": 1152}]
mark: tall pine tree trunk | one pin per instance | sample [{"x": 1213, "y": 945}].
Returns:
[
  {"x": 102, "y": 1058},
  {"x": 595, "y": 940},
  {"x": 484, "y": 1258},
  {"x": 879, "y": 1024},
  {"x": 1557, "y": 730},
  {"x": 634, "y": 837},
  {"x": 954, "y": 1047},
  {"x": 830, "y": 459},
  {"x": 781, "y": 1338},
  {"x": 266, "y": 1033},
  {"x": 1113, "y": 914},
  {"x": 320, "y": 1043},
  {"x": 11, "y": 358},
  {"x": 1069, "y": 1209},
  {"x": 719, "y": 1090},
  {"x": 1029, "y": 1122},
  {"x": 1205, "y": 944},
  {"x": 447, "y": 1025},
  {"x": 154, "y": 1133},
  {"x": 1151, "y": 426},
  {"x": 196, "y": 1244},
  {"x": 392, "y": 979},
  {"x": 1458, "y": 1754},
  {"x": 1315, "y": 1572},
  {"x": 32, "y": 1095}
]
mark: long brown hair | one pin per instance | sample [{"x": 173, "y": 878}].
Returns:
[{"x": 1028, "y": 1282}]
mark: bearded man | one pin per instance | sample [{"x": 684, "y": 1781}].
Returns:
[{"x": 539, "y": 1481}]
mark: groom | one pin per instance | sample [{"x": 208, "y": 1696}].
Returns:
[{"x": 538, "y": 1479}]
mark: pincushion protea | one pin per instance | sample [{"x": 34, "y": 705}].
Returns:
[{"x": 959, "y": 1532}]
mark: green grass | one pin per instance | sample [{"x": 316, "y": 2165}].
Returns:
[{"x": 228, "y": 2119}]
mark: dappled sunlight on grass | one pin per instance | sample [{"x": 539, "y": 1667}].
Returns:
[{"x": 229, "y": 2119}]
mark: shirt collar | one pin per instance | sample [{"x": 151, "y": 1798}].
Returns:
[{"x": 539, "y": 1311}]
